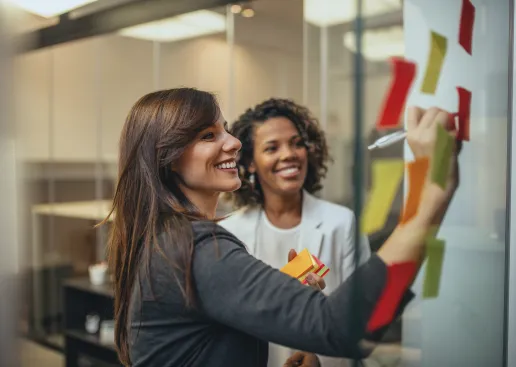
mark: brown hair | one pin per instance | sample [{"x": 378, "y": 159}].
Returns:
[
  {"x": 148, "y": 200},
  {"x": 307, "y": 126}
]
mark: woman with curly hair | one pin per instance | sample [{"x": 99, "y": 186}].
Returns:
[{"x": 283, "y": 160}]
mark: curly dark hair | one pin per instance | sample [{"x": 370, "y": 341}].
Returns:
[{"x": 310, "y": 131}]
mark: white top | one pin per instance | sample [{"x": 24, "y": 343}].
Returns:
[
  {"x": 326, "y": 230},
  {"x": 275, "y": 242}
]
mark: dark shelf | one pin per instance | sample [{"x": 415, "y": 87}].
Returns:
[
  {"x": 89, "y": 338},
  {"x": 84, "y": 284}
]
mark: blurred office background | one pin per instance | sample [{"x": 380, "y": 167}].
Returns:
[{"x": 80, "y": 65}]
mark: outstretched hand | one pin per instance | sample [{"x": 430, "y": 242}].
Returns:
[{"x": 313, "y": 280}]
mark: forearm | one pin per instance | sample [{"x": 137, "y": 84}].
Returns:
[{"x": 239, "y": 291}]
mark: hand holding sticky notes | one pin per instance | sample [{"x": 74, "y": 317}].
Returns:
[{"x": 303, "y": 264}]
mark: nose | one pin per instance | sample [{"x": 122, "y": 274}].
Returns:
[
  {"x": 231, "y": 144},
  {"x": 287, "y": 152}
]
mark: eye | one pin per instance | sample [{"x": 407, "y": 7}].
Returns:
[
  {"x": 269, "y": 149},
  {"x": 207, "y": 136},
  {"x": 300, "y": 143}
]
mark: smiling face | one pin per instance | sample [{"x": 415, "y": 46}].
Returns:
[
  {"x": 208, "y": 165},
  {"x": 280, "y": 157}
]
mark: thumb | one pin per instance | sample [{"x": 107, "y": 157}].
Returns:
[{"x": 292, "y": 254}]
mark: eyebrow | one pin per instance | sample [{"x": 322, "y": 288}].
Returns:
[{"x": 275, "y": 141}]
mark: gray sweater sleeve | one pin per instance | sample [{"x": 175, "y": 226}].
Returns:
[{"x": 240, "y": 291}]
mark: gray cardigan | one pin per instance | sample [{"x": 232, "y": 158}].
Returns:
[{"x": 243, "y": 304}]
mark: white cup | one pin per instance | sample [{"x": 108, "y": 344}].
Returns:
[{"x": 98, "y": 274}]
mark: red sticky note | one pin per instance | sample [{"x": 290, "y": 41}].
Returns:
[
  {"x": 463, "y": 114},
  {"x": 467, "y": 20},
  {"x": 399, "y": 277},
  {"x": 417, "y": 171},
  {"x": 403, "y": 75}
]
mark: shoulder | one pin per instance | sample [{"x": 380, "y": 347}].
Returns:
[
  {"x": 239, "y": 219},
  {"x": 334, "y": 215},
  {"x": 205, "y": 230}
]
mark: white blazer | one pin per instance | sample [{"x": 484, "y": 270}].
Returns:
[{"x": 327, "y": 231}]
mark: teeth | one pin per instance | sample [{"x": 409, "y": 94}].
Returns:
[
  {"x": 226, "y": 165},
  {"x": 290, "y": 170}
]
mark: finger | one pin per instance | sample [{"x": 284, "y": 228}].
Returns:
[
  {"x": 295, "y": 360},
  {"x": 452, "y": 125},
  {"x": 414, "y": 114},
  {"x": 428, "y": 119},
  {"x": 442, "y": 118},
  {"x": 292, "y": 254},
  {"x": 315, "y": 281}
]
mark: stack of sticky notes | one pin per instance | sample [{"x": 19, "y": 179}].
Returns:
[{"x": 305, "y": 263}]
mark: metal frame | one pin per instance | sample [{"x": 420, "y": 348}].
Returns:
[
  {"x": 109, "y": 20},
  {"x": 509, "y": 357}
]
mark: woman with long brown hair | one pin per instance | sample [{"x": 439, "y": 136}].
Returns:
[{"x": 187, "y": 293}]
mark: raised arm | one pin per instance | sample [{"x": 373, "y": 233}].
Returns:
[{"x": 242, "y": 292}]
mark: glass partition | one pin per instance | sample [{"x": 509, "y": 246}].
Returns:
[
  {"x": 464, "y": 325},
  {"x": 71, "y": 101}
]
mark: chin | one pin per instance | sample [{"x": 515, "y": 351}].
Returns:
[
  {"x": 291, "y": 189},
  {"x": 231, "y": 186}
]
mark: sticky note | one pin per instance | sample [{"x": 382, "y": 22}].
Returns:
[
  {"x": 321, "y": 270},
  {"x": 434, "y": 264},
  {"x": 300, "y": 265},
  {"x": 464, "y": 113},
  {"x": 467, "y": 21},
  {"x": 417, "y": 171},
  {"x": 387, "y": 175},
  {"x": 442, "y": 156},
  {"x": 403, "y": 73},
  {"x": 438, "y": 47},
  {"x": 399, "y": 277}
]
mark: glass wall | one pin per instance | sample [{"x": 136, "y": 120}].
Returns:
[
  {"x": 464, "y": 325},
  {"x": 71, "y": 101}
]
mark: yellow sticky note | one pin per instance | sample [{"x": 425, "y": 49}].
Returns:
[
  {"x": 442, "y": 156},
  {"x": 300, "y": 265},
  {"x": 435, "y": 62},
  {"x": 387, "y": 175},
  {"x": 434, "y": 264}
]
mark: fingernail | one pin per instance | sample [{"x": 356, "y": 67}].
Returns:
[{"x": 310, "y": 278}]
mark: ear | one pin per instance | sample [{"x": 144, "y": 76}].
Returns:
[{"x": 252, "y": 168}]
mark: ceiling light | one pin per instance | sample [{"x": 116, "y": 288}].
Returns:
[
  {"x": 190, "y": 25},
  {"x": 248, "y": 13},
  {"x": 378, "y": 44},
  {"x": 331, "y": 12},
  {"x": 236, "y": 8},
  {"x": 49, "y": 8}
]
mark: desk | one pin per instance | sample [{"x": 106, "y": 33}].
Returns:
[{"x": 80, "y": 299}]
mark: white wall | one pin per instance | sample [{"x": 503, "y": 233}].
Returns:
[
  {"x": 464, "y": 325},
  {"x": 71, "y": 100},
  {"x": 62, "y": 101}
]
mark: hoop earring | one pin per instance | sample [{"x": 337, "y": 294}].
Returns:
[{"x": 251, "y": 180}]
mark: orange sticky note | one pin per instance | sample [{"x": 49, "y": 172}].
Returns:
[
  {"x": 417, "y": 171},
  {"x": 300, "y": 265}
]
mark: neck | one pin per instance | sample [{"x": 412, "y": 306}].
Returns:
[
  {"x": 206, "y": 203},
  {"x": 283, "y": 210}
]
